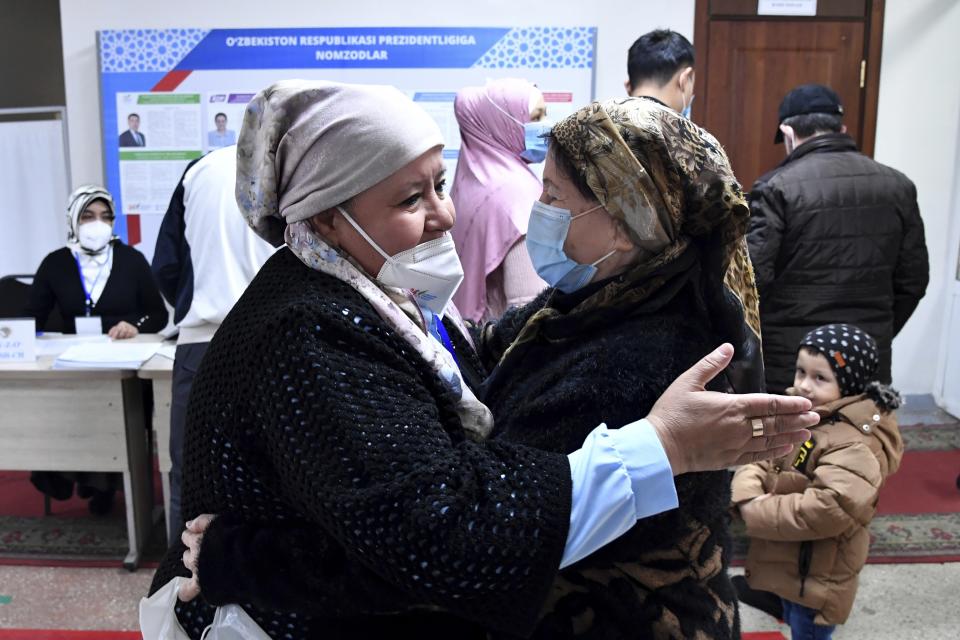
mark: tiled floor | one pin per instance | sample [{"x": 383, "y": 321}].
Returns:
[
  {"x": 48, "y": 598},
  {"x": 896, "y": 602},
  {"x": 921, "y": 409}
]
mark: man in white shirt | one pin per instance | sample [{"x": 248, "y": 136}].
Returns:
[{"x": 205, "y": 257}]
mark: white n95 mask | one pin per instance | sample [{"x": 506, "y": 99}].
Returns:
[
  {"x": 431, "y": 270},
  {"x": 94, "y": 236}
]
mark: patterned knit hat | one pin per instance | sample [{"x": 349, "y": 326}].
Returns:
[{"x": 851, "y": 352}]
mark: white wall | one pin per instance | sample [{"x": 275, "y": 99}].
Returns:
[
  {"x": 947, "y": 387},
  {"x": 917, "y": 134},
  {"x": 919, "y": 95}
]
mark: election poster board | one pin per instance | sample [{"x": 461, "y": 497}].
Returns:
[{"x": 170, "y": 95}]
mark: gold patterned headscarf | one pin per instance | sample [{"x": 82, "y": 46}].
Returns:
[{"x": 671, "y": 184}]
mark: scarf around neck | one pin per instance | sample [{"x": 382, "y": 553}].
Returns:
[{"x": 315, "y": 253}]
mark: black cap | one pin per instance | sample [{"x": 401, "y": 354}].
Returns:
[
  {"x": 851, "y": 352},
  {"x": 808, "y": 98}
]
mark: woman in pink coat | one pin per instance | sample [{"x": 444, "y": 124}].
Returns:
[{"x": 500, "y": 127}]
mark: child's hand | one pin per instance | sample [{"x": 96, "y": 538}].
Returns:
[{"x": 749, "y": 507}]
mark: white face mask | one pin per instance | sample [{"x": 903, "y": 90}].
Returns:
[
  {"x": 431, "y": 270},
  {"x": 95, "y": 235}
]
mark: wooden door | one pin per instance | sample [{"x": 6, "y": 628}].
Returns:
[{"x": 746, "y": 63}]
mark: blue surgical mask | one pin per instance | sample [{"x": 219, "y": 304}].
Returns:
[
  {"x": 546, "y": 234},
  {"x": 535, "y": 145},
  {"x": 687, "y": 109}
]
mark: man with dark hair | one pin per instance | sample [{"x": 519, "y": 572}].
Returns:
[
  {"x": 132, "y": 136},
  {"x": 660, "y": 66},
  {"x": 835, "y": 237}
]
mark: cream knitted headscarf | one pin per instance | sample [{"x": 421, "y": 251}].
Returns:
[{"x": 308, "y": 146}]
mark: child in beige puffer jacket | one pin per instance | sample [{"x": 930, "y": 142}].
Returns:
[{"x": 807, "y": 514}]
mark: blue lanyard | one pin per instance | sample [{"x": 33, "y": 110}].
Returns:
[
  {"x": 441, "y": 333},
  {"x": 435, "y": 327},
  {"x": 88, "y": 304}
]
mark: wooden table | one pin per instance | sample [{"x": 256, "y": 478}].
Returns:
[{"x": 81, "y": 420}]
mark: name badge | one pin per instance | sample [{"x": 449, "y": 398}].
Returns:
[
  {"x": 18, "y": 340},
  {"x": 89, "y": 326}
]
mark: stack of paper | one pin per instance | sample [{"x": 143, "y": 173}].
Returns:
[
  {"x": 106, "y": 355},
  {"x": 54, "y": 346}
]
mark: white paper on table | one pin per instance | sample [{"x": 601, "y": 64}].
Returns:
[
  {"x": 55, "y": 346},
  {"x": 107, "y": 355}
]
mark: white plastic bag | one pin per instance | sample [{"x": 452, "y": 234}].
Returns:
[
  {"x": 158, "y": 620},
  {"x": 232, "y": 623}
]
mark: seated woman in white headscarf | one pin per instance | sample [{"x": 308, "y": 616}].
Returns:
[
  {"x": 96, "y": 275},
  {"x": 98, "y": 279},
  {"x": 333, "y": 428}
]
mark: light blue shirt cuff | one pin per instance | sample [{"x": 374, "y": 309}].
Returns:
[
  {"x": 650, "y": 472},
  {"x": 619, "y": 476}
]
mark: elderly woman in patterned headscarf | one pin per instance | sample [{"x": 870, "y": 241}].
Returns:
[
  {"x": 335, "y": 427},
  {"x": 640, "y": 231}
]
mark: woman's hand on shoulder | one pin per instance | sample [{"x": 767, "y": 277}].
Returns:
[
  {"x": 704, "y": 430},
  {"x": 192, "y": 537}
]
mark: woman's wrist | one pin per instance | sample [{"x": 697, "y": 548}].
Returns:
[{"x": 670, "y": 446}]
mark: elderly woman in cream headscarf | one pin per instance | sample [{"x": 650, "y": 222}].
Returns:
[{"x": 334, "y": 426}]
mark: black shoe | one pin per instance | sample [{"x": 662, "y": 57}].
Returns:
[
  {"x": 52, "y": 484},
  {"x": 102, "y": 502},
  {"x": 765, "y": 601}
]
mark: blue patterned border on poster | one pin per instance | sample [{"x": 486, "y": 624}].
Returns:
[
  {"x": 140, "y": 50},
  {"x": 543, "y": 48}
]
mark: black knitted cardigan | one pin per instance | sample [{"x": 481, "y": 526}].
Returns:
[
  {"x": 347, "y": 486},
  {"x": 666, "y": 577}
]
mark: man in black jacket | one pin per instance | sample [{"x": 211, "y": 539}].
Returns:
[{"x": 834, "y": 237}]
